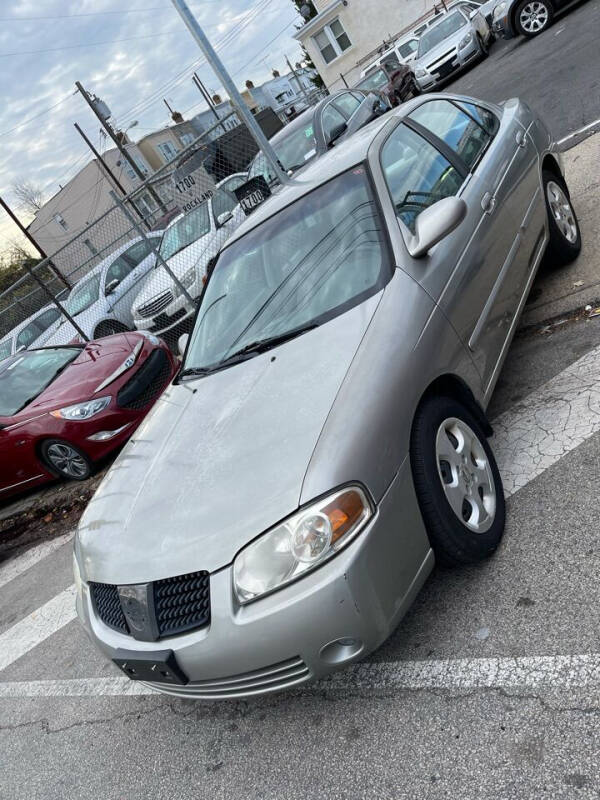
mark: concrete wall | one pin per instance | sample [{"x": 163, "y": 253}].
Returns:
[{"x": 367, "y": 22}]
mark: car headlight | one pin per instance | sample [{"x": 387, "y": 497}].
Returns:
[
  {"x": 499, "y": 11},
  {"x": 187, "y": 281},
  {"x": 420, "y": 72},
  {"x": 300, "y": 543},
  {"x": 82, "y": 411},
  {"x": 465, "y": 41}
]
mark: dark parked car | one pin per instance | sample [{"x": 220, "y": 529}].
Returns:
[
  {"x": 525, "y": 17},
  {"x": 395, "y": 80},
  {"x": 317, "y": 129},
  {"x": 64, "y": 408}
]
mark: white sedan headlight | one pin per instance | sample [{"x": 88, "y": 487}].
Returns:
[
  {"x": 465, "y": 41},
  {"x": 420, "y": 72},
  {"x": 187, "y": 280},
  {"x": 304, "y": 541},
  {"x": 499, "y": 11},
  {"x": 82, "y": 411}
]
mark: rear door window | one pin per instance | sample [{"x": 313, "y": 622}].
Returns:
[
  {"x": 347, "y": 103},
  {"x": 332, "y": 118},
  {"x": 463, "y": 133}
]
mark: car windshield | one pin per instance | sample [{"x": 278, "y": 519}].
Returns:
[
  {"x": 185, "y": 231},
  {"x": 312, "y": 261},
  {"x": 293, "y": 152},
  {"x": 26, "y": 375},
  {"x": 376, "y": 80},
  {"x": 5, "y": 349},
  {"x": 449, "y": 26},
  {"x": 83, "y": 295}
]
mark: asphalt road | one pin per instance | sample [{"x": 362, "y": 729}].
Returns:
[
  {"x": 506, "y": 703},
  {"x": 557, "y": 73}
]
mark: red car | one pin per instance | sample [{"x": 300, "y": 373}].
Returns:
[{"x": 62, "y": 409}]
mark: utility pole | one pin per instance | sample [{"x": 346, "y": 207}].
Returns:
[
  {"x": 112, "y": 177},
  {"x": 30, "y": 238},
  {"x": 198, "y": 83},
  {"x": 303, "y": 91},
  {"x": 119, "y": 144},
  {"x": 242, "y": 109}
]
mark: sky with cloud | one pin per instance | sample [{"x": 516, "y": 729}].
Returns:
[{"x": 132, "y": 55}]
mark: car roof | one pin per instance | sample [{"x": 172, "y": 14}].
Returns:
[
  {"x": 339, "y": 159},
  {"x": 295, "y": 124}
]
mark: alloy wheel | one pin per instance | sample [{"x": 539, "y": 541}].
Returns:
[
  {"x": 466, "y": 475},
  {"x": 534, "y": 17},
  {"x": 562, "y": 211},
  {"x": 66, "y": 460}
]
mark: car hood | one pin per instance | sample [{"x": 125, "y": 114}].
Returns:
[
  {"x": 196, "y": 254},
  {"x": 218, "y": 460},
  {"x": 443, "y": 47},
  {"x": 79, "y": 381}
]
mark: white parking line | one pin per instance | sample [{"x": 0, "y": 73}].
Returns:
[
  {"x": 549, "y": 423},
  {"x": 595, "y": 124},
  {"x": 37, "y": 626},
  {"x": 531, "y": 672},
  {"x": 16, "y": 566}
]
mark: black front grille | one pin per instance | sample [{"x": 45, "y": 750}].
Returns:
[
  {"x": 147, "y": 383},
  {"x": 162, "y": 321},
  {"x": 108, "y": 606},
  {"x": 180, "y": 604},
  {"x": 183, "y": 603}
]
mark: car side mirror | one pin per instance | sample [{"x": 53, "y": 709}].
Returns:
[
  {"x": 111, "y": 287},
  {"x": 336, "y": 132},
  {"x": 224, "y": 218},
  {"x": 435, "y": 223},
  {"x": 182, "y": 343}
]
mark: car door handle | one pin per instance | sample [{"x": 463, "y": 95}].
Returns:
[
  {"x": 488, "y": 203},
  {"x": 521, "y": 138}
]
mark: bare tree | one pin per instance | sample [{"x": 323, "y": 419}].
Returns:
[{"x": 30, "y": 196}]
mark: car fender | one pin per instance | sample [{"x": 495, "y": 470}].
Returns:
[{"x": 408, "y": 345}]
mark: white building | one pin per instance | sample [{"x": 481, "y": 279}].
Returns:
[{"x": 345, "y": 32}]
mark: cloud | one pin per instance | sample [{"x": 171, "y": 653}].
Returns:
[{"x": 131, "y": 76}]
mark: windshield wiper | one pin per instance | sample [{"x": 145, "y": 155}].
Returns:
[
  {"x": 194, "y": 371},
  {"x": 261, "y": 345}
]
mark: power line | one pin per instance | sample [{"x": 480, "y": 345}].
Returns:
[
  {"x": 37, "y": 116},
  {"x": 88, "y": 14},
  {"x": 88, "y": 44}
]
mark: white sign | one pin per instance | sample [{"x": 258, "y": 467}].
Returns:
[{"x": 192, "y": 183}]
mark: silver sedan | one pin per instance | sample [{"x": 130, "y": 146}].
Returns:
[{"x": 326, "y": 440}]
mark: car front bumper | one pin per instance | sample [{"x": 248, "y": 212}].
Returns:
[
  {"x": 176, "y": 312},
  {"x": 449, "y": 68},
  {"x": 329, "y": 618}
]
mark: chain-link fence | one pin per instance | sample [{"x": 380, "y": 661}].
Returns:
[{"x": 143, "y": 263}]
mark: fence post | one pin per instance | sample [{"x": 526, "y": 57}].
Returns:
[
  {"x": 159, "y": 258},
  {"x": 242, "y": 109},
  {"x": 57, "y": 303}
]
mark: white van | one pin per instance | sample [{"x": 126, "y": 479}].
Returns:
[{"x": 404, "y": 50}]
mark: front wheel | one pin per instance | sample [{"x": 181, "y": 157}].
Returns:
[
  {"x": 457, "y": 482},
  {"x": 109, "y": 327},
  {"x": 533, "y": 16},
  {"x": 65, "y": 460},
  {"x": 565, "y": 236},
  {"x": 484, "y": 49}
]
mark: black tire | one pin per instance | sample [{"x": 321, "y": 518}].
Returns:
[
  {"x": 530, "y": 30},
  {"x": 452, "y": 539},
  {"x": 561, "y": 249},
  {"x": 109, "y": 327},
  {"x": 483, "y": 48},
  {"x": 81, "y": 466}
]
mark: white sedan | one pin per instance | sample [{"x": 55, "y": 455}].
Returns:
[
  {"x": 189, "y": 244},
  {"x": 32, "y": 332},
  {"x": 101, "y": 302}
]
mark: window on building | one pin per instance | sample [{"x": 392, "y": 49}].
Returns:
[
  {"x": 93, "y": 250},
  {"x": 332, "y": 41},
  {"x": 141, "y": 165},
  {"x": 130, "y": 173},
  {"x": 187, "y": 139},
  {"x": 167, "y": 150},
  {"x": 60, "y": 220}
]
